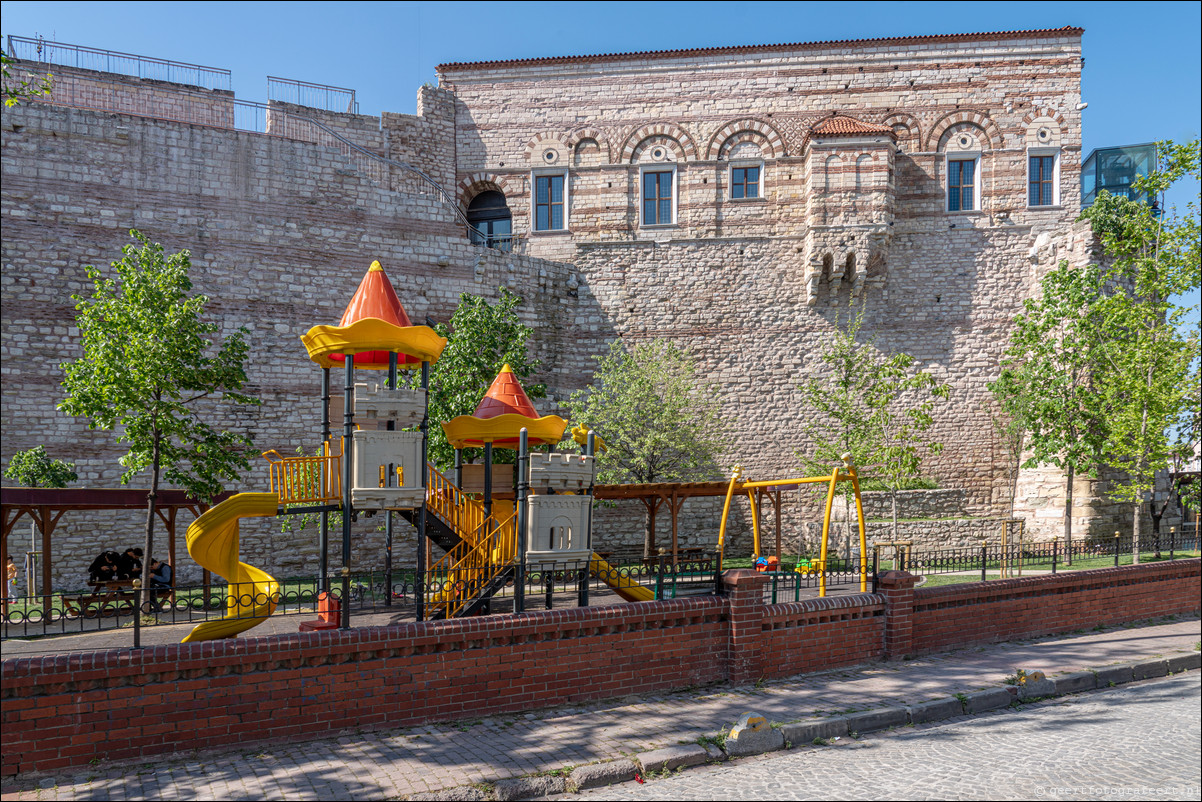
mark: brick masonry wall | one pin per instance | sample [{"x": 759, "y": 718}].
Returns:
[
  {"x": 955, "y": 615},
  {"x": 63, "y": 710}
]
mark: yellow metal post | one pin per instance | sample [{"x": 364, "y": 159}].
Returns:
[
  {"x": 755, "y": 524},
  {"x": 854, "y": 475},
  {"x": 735, "y": 476},
  {"x": 826, "y": 528}
]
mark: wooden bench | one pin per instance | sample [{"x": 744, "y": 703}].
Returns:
[{"x": 109, "y": 597}]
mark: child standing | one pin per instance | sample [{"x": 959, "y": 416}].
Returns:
[{"x": 10, "y": 580}]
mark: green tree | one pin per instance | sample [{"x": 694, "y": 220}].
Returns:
[
  {"x": 16, "y": 89},
  {"x": 870, "y": 404},
  {"x": 151, "y": 367},
  {"x": 481, "y": 339},
  {"x": 1049, "y": 373},
  {"x": 660, "y": 423},
  {"x": 1148, "y": 355},
  {"x": 34, "y": 468}
]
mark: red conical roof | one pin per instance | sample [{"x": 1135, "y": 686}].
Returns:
[
  {"x": 505, "y": 396},
  {"x": 375, "y": 298}
]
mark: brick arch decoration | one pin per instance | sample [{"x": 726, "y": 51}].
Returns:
[
  {"x": 473, "y": 184},
  {"x": 769, "y": 138},
  {"x": 979, "y": 119},
  {"x": 1036, "y": 113},
  {"x": 595, "y": 134},
  {"x": 913, "y": 128},
  {"x": 544, "y": 137},
  {"x": 659, "y": 129}
]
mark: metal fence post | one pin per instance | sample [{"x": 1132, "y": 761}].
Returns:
[
  {"x": 659, "y": 576},
  {"x": 1055, "y": 553},
  {"x": 1172, "y": 541},
  {"x": 983, "y": 557},
  {"x": 1116, "y": 549},
  {"x": 582, "y": 591},
  {"x": 137, "y": 610},
  {"x": 876, "y": 568}
]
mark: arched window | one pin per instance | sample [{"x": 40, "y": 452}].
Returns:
[
  {"x": 491, "y": 220},
  {"x": 863, "y": 166},
  {"x": 834, "y": 168}
]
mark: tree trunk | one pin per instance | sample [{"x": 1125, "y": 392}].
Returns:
[
  {"x": 151, "y": 501},
  {"x": 893, "y": 498},
  {"x": 649, "y": 507},
  {"x": 1068, "y": 517}
]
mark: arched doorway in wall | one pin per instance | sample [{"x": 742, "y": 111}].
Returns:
[{"x": 491, "y": 220}]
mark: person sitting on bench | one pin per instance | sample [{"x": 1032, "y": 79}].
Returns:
[
  {"x": 160, "y": 574},
  {"x": 104, "y": 567},
  {"x": 129, "y": 564}
]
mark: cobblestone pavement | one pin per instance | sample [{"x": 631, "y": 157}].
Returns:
[
  {"x": 1139, "y": 741},
  {"x": 414, "y": 760}
]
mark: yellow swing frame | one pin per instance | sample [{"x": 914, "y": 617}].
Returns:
[{"x": 848, "y": 473}]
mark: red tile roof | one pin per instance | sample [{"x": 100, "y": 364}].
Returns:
[
  {"x": 1067, "y": 30},
  {"x": 848, "y": 126}
]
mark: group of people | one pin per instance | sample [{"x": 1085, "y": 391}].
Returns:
[{"x": 110, "y": 565}]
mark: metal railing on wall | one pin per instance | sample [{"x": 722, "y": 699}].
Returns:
[
  {"x": 101, "y": 60},
  {"x": 317, "y": 96}
]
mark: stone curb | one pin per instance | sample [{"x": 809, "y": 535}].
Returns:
[{"x": 805, "y": 732}]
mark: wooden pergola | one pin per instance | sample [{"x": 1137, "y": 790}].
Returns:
[
  {"x": 45, "y": 506},
  {"x": 674, "y": 494}
]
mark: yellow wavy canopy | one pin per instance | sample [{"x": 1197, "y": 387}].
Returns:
[{"x": 372, "y": 334}]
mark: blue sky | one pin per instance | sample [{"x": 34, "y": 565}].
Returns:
[{"x": 1142, "y": 79}]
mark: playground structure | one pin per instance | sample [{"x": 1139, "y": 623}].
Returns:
[
  {"x": 847, "y": 473},
  {"x": 373, "y": 470}
]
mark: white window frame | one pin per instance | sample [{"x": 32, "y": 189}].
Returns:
[
  {"x": 542, "y": 173},
  {"x": 730, "y": 179},
  {"x": 962, "y": 156},
  {"x": 659, "y": 167},
  {"x": 1054, "y": 152}
]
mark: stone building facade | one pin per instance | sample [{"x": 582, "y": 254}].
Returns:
[{"x": 732, "y": 199}]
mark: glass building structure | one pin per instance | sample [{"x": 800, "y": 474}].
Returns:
[{"x": 1115, "y": 170}]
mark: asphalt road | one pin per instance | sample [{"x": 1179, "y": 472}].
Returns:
[{"x": 1140, "y": 741}]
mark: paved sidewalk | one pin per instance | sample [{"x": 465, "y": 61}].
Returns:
[{"x": 425, "y": 759}]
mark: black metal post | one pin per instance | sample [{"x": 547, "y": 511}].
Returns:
[
  {"x": 1055, "y": 553},
  {"x": 487, "y": 479},
  {"x": 983, "y": 554},
  {"x": 582, "y": 586},
  {"x": 876, "y": 568},
  {"x": 549, "y": 579},
  {"x": 659, "y": 577},
  {"x": 348, "y": 450},
  {"x": 390, "y": 482},
  {"x": 420, "y": 584},
  {"x": 459, "y": 468},
  {"x": 323, "y": 529},
  {"x": 1116, "y": 549},
  {"x": 590, "y": 450},
  {"x": 137, "y": 607},
  {"x": 1172, "y": 541},
  {"x": 523, "y": 516}
]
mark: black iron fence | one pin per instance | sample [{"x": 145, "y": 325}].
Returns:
[
  {"x": 993, "y": 561},
  {"x": 372, "y": 598}
]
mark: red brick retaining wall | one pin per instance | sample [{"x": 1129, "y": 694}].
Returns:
[
  {"x": 60, "y": 711},
  {"x": 980, "y": 612}
]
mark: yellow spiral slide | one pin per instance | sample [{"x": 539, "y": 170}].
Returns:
[{"x": 213, "y": 543}]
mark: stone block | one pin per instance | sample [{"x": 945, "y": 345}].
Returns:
[
  {"x": 714, "y": 752},
  {"x": 1114, "y": 675},
  {"x": 529, "y": 787},
  {"x": 880, "y": 719},
  {"x": 672, "y": 757},
  {"x": 598, "y": 775},
  {"x": 804, "y": 732},
  {"x": 937, "y": 710},
  {"x": 1185, "y": 662},
  {"x": 1076, "y": 682},
  {"x": 1036, "y": 689},
  {"x": 1149, "y": 669},
  {"x": 990, "y": 699},
  {"x": 752, "y": 735}
]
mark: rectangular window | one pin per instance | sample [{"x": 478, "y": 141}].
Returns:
[
  {"x": 548, "y": 203},
  {"x": 657, "y": 198},
  {"x": 1041, "y": 181},
  {"x": 745, "y": 182},
  {"x": 961, "y": 184}
]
